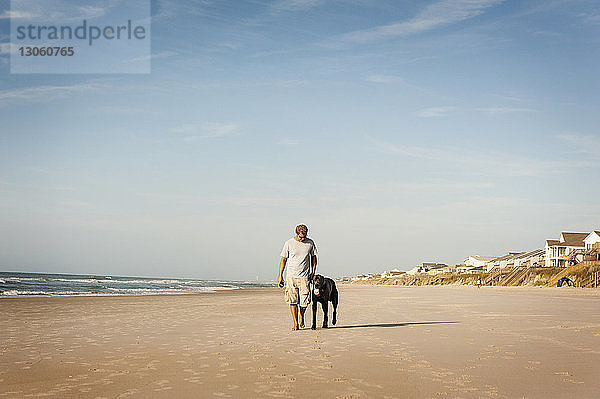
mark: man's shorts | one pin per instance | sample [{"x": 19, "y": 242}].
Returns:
[{"x": 297, "y": 291}]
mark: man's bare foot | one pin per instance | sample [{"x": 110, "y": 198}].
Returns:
[{"x": 301, "y": 323}]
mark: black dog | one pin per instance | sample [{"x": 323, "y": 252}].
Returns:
[{"x": 324, "y": 290}]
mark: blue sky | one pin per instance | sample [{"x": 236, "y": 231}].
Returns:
[{"x": 399, "y": 132}]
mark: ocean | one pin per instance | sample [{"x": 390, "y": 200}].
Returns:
[{"x": 13, "y": 284}]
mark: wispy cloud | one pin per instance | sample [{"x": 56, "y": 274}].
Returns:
[
  {"x": 514, "y": 97},
  {"x": 117, "y": 110},
  {"x": 16, "y": 15},
  {"x": 593, "y": 19},
  {"x": 387, "y": 79},
  {"x": 58, "y": 10},
  {"x": 45, "y": 93},
  {"x": 91, "y": 11},
  {"x": 585, "y": 144},
  {"x": 435, "y": 112},
  {"x": 433, "y": 16},
  {"x": 410, "y": 151},
  {"x": 162, "y": 54},
  {"x": 393, "y": 188},
  {"x": 294, "y": 5},
  {"x": 5, "y": 48},
  {"x": 482, "y": 161},
  {"x": 190, "y": 131},
  {"x": 438, "y": 112},
  {"x": 174, "y": 8},
  {"x": 49, "y": 93},
  {"x": 504, "y": 110},
  {"x": 244, "y": 84}
]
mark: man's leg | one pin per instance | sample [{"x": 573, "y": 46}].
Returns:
[
  {"x": 303, "y": 299},
  {"x": 301, "y": 318},
  {"x": 294, "y": 310}
]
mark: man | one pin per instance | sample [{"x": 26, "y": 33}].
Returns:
[{"x": 299, "y": 254}]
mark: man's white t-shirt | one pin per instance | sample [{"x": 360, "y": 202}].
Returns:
[{"x": 299, "y": 256}]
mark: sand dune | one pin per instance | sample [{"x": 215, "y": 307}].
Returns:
[{"x": 390, "y": 342}]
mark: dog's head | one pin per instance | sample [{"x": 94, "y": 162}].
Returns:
[{"x": 318, "y": 282}]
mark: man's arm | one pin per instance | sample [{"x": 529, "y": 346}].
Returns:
[
  {"x": 281, "y": 268},
  {"x": 313, "y": 263}
]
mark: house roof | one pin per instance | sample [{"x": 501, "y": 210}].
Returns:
[
  {"x": 511, "y": 255},
  {"x": 596, "y": 232},
  {"x": 552, "y": 242},
  {"x": 484, "y": 258},
  {"x": 526, "y": 255},
  {"x": 572, "y": 239}
]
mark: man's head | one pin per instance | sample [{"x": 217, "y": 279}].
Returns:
[{"x": 301, "y": 231}]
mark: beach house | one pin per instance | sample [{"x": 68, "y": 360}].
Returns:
[
  {"x": 392, "y": 273},
  {"x": 561, "y": 252},
  {"x": 478, "y": 261},
  {"x": 592, "y": 240},
  {"x": 534, "y": 258},
  {"x": 425, "y": 267},
  {"x": 503, "y": 262},
  {"x": 592, "y": 246},
  {"x": 442, "y": 270},
  {"x": 474, "y": 264}
]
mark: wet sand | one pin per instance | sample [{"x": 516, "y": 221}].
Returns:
[{"x": 390, "y": 342}]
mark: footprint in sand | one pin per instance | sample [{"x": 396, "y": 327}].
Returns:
[
  {"x": 194, "y": 380},
  {"x": 562, "y": 373},
  {"x": 163, "y": 385},
  {"x": 572, "y": 381},
  {"x": 127, "y": 393},
  {"x": 338, "y": 379},
  {"x": 442, "y": 374},
  {"x": 533, "y": 365}
]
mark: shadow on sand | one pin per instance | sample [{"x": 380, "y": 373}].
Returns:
[{"x": 394, "y": 324}]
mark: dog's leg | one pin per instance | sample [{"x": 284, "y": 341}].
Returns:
[
  {"x": 325, "y": 306},
  {"x": 314, "y": 312},
  {"x": 334, "y": 302}
]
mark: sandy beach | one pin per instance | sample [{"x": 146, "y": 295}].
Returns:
[{"x": 390, "y": 342}]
